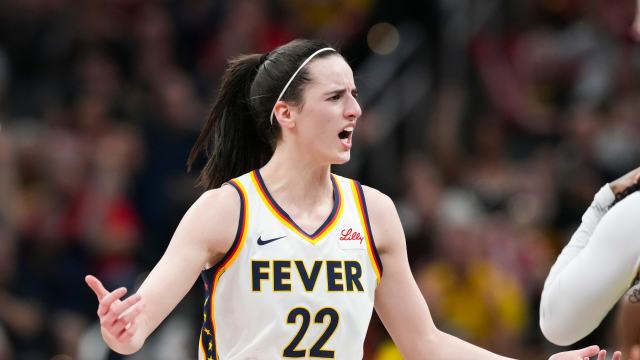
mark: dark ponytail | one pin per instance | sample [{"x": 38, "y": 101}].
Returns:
[
  {"x": 229, "y": 137},
  {"x": 238, "y": 137}
]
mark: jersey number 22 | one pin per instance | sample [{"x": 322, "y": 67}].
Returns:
[{"x": 316, "y": 350}]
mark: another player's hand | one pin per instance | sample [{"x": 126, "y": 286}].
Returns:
[
  {"x": 625, "y": 181},
  {"x": 117, "y": 317},
  {"x": 585, "y": 354},
  {"x": 635, "y": 28}
]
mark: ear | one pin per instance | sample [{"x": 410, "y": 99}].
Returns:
[{"x": 283, "y": 114}]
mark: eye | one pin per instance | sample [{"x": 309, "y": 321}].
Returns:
[
  {"x": 355, "y": 94},
  {"x": 335, "y": 97}
]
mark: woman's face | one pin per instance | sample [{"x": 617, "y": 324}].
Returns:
[{"x": 326, "y": 118}]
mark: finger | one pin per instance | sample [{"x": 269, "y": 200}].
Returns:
[
  {"x": 602, "y": 354},
  {"x": 96, "y": 286},
  {"x": 126, "y": 316},
  {"x": 617, "y": 356},
  {"x": 119, "y": 308},
  {"x": 131, "y": 314},
  {"x": 635, "y": 30},
  {"x": 117, "y": 327},
  {"x": 126, "y": 320},
  {"x": 106, "y": 301},
  {"x": 128, "y": 332},
  {"x": 588, "y": 351}
]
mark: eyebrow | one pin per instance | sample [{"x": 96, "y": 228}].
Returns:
[{"x": 339, "y": 91}]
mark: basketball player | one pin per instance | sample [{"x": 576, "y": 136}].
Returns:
[
  {"x": 294, "y": 257},
  {"x": 627, "y": 318},
  {"x": 597, "y": 266}
]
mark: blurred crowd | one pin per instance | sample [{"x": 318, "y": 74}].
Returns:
[{"x": 519, "y": 112}]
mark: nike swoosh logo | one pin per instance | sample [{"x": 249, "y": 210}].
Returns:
[{"x": 265, "y": 242}]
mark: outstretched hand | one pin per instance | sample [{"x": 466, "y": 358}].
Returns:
[
  {"x": 117, "y": 317},
  {"x": 585, "y": 354},
  {"x": 626, "y": 180}
]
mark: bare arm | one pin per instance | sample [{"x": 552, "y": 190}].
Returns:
[
  {"x": 403, "y": 309},
  {"x": 204, "y": 234}
]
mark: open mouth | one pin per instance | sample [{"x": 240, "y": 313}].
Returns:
[{"x": 346, "y": 135}]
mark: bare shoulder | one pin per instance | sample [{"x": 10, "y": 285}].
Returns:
[
  {"x": 214, "y": 217},
  {"x": 383, "y": 217},
  {"x": 221, "y": 197},
  {"x": 376, "y": 199},
  {"x": 221, "y": 201},
  {"x": 380, "y": 207}
]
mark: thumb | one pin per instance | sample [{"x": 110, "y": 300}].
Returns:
[{"x": 96, "y": 286}]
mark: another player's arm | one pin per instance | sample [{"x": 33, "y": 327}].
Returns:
[
  {"x": 403, "y": 309},
  {"x": 577, "y": 295},
  {"x": 204, "y": 234}
]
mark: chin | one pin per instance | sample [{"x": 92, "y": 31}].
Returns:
[{"x": 342, "y": 158}]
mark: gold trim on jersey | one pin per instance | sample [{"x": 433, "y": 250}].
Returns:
[
  {"x": 284, "y": 218},
  {"x": 371, "y": 250},
  {"x": 232, "y": 255}
]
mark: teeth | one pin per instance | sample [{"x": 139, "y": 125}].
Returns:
[{"x": 349, "y": 129}]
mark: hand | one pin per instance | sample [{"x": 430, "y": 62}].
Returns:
[
  {"x": 117, "y": 317},
  {"x": 585, "y": 354},
  {"x": 635, "y": 28},
  {"x": 625, "y": 181}
]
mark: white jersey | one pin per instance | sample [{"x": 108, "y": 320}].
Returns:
[{"x": 280, "y": 292}]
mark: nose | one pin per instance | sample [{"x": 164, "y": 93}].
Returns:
[{"x": 352, "y": 108}]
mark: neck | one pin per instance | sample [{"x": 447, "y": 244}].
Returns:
[{"x": 296, "y": 179}]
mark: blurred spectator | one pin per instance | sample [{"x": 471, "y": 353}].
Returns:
[
  {"x": 472, "y": 297},
  {"x": 247, "y": 27},
  {"x": 164, "y": 189},
  {"x": 111, "y": 225},
  {"x": 330, "y": 20},
  {"x": 531, "y": 106}
]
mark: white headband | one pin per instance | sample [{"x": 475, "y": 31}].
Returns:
[{"x": 293, "y": 76}]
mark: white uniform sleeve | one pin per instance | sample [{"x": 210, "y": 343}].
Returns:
[{"x": 593, "y": 271}]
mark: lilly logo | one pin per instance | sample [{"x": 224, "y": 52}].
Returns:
[{"x": 350, "y": 235}]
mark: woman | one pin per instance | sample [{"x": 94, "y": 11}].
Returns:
[
  {"x": 596, "y": 268},
  {"x": 297, "y": 273}
]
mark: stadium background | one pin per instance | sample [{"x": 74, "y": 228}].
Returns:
[{"x": 491, "y": 124}]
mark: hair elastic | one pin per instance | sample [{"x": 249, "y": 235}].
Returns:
[{"x": 293, "y": 76}]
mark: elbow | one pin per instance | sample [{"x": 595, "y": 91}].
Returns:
[
  {"x": 557, "y": 332},
  {"x": 433, "y": 338},
  {"x": 559, "y": 322}
]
